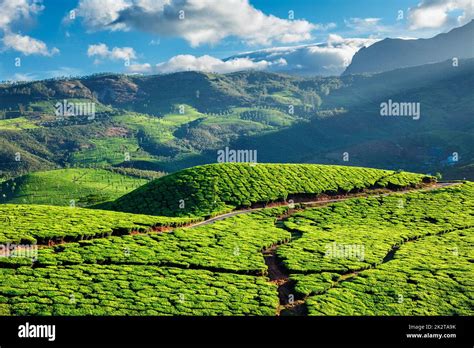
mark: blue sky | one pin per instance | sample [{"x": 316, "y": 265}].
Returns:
[{"x": 38, "y": 39}]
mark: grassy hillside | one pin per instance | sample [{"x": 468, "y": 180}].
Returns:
[
  {"x": 404, "y": 254},
  {"x": 417, "y": 250},
  {"x": 78, "y": 187},
  {"x": 445, "y": 125},
  {"x": 40, "y": 224},
  {"x": 205, "y": 190},
  {"x": 171, "y": 122}
]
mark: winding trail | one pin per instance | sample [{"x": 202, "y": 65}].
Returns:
[
  {"x": 290, "y": 302},
  {"x": 322, "y": 200}
]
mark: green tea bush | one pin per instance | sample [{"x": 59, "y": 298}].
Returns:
[
  {"x": 234, "y": 245},
  {"x": 432, "y": 276},
  {"x": 375, "y": 224},
  {"x": 79, "y": 186},
  {"x": 205, "y": 190},
  {"x": 30, "y": 224},
  {"x": 133, "y": 290},
  {"x": 417, "y": 254}
]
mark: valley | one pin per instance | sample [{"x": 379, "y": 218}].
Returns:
[{"x": 161, "y": 123}]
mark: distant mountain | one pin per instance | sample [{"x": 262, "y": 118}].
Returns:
[
  {"x": 446, "y": 125},
  {"x": 155, "y": 94},
  {"x": 390, "y": 54},
  {"x": 170, "y": 122}
]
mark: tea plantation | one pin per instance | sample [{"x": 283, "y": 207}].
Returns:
[
  {"x": 378, "y": 223},
  {"x": 233, "y": 245},
  {"x": 78, "y": 187},
  {"x": 433, "y": 276},
  {"x": 31, "y": 224},
  {"x": 132, "y": 290},
  {"x": 398, "y": 253},
  {"x": 416, "y": 259},
  {"x": 211, "y": 189}
]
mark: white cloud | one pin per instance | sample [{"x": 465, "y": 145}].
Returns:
[
  {"x": 439, "y": 13},
  {"x": 101, "y": 13},
  {"x": 27, "y": 45},
  {"x": 329, "y": 58},
  {"x": 210, "y": 64},
  {"x": 21, "y": 12},
  {"x": 197, "y": 21},
  {"x": 12, "y": 11},
  {"x": 140, "y": 68},
  {"x": 101, "y": 50},
  {"x": 117, "y": 53}
]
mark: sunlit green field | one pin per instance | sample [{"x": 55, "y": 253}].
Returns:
[
  {"x": 69, "y": 187},
  {"x": 406, "y": 253}
]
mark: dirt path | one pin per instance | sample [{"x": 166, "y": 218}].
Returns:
[
  {"x": 323, "y": 199},
  {"x": 290, "y": 303}
]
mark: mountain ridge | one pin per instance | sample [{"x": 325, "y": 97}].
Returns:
[
  {"x": 390, "y": 54},
  {"x": 325, "y": 116}
]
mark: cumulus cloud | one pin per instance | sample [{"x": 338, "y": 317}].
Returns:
[
  {"x": 102, "y": 51},
  {"x": 329, "y": 58},
  {"x": 12, "y": 11},
  {"x": 21, "y": 12},
  {"x": 97, "y": 14},
  {"x": 197, "y": 21},
  {"x": 439, "y": 13},
  {"x": 140, "y": 68},
  {"x": 210, "y": 64},
  {"x": 27, "y": 45}
]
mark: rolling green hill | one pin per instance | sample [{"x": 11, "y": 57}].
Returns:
[
  {"x": 77, "y": 187},
  {"x": 171, "y": 122},
  {"x": 208, "y": 189},
  {"x": 41, "y": 224},
  {"x": 422, "y": 238}
]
